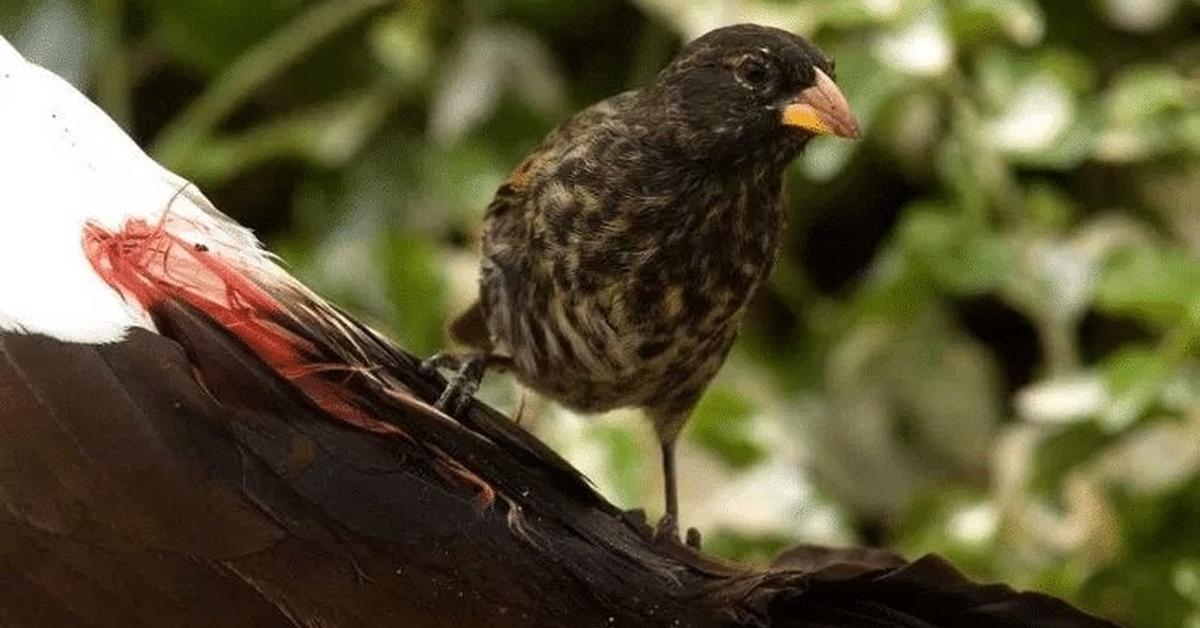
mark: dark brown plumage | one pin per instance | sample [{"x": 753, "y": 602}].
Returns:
[{"x": 619, "y": 257}]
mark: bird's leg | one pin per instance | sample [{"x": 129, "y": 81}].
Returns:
[
  {"x": 670, "y": 489},
  {"x": 667, "y": 530},
  {"x": 468, "y": 370}
]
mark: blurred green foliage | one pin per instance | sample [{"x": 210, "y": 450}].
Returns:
[{"x": 981, "y": 338}]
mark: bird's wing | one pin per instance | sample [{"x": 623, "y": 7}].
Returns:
[
  {"x": 876, "y": 589},
  {"x": 196, "y": 289},
  {"x": 555, "y": 189},
  {"x": 470, "y": 329},
  {"x": 180, "y": 479}
]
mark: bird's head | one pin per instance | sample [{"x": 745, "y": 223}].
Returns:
[{"x": 750, "y": 93}]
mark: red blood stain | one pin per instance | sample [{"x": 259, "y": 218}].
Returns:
[{"x": 148, "y": 264}]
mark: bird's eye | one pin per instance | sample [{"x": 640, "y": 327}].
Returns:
[{"x": 754, "y": 73}]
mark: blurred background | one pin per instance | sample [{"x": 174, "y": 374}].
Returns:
[{"x": 981, "y": 338}]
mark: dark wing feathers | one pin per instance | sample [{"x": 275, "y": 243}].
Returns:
[
  {"x": 142, "y": 499},
  {"x": 178, "y": 480},
  {"x": 470, "y": 329},
  {"x": 504, "y": 439},
  {"x": 863, "y": 587}
]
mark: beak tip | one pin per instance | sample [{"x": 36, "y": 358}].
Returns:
[
  {"x": 846, "y": 129},
  {"x": 822, "y": 109}
]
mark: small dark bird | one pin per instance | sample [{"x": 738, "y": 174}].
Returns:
[{"x": 619, "y": 257}]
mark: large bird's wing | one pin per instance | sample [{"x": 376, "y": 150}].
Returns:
[{"x": 179, "y": 479}]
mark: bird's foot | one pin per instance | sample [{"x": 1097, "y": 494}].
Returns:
[
  {"x": 667, "y": 532},
  {"x": 467, "y": 373},
  {"x": 636, "y": 518}
]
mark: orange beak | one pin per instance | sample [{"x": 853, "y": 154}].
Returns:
[{"x": 823, "y": 110}]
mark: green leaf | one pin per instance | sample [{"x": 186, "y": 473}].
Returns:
[
  {"x": 896, "y": 290},
  {"x": 1189, "y": 132},
  {"x": 1038, "y": 119},
  {"x": 1060, "y": 453},
  {"x": 461, "y": 178},
  {"x": 1049, "y": 208},
  {"x": 210, "y": 35},
  {"x": 722, "y": 424},
  {"x": 12, "y": 15},
  {"x": 1145, "y": 93},
  {"x": 746, "y": 548},
  {"x": 625, "y": 465},
  {"x": 1149, "y": 110},
  {"x": 958, "y": 256},
  {"x": 416, "y": 289},
  {"x": 1186, "y": 578},
  {"x": 1158, "y": 285},
  {"x": 957, "y": 523},
  {"x": 982, "y": 20},
  {"x": 327, "y": 135},
  {"x": 1135, "y": 378},
  {"x": 1132, "y": 368},
  {"x": 1070, "y": 148},
  {"x": 403, "y": 43},
  {"x": 1001, "y": 72},
  {"x": 490, "y": 63},
  {"x": 55, "y": 34},
  {"x": 1155, "y": 546}
]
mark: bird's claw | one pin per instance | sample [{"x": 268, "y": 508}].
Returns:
[
  {"x": 441, "y": 360},
  {"x": 636, "y": 519},
  {"x": 462, "y": 384},
  {"x": 667, "y": 533},
  {"x": 667, "y": 529}
]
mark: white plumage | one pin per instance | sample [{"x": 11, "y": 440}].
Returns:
[{"x": 64, "y": 163}]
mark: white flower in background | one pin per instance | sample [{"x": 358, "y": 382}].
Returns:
[
  {"x": 883, "y": 8},
  {"x": 1139, "y": 15},
  {"x": 491, "y": 60},
  {"x": 1024, "y": 23},
  {"x": 696, "y": 17},
  {"x": 921, "y": 47},
  {"x": 346, "y": 262},
  {"x": 1121, "y": 146},
  {"x": 1062, "y": 400},
  {"x": 974, "y": 524},
  {"x": 1070, "y": 274},
  {"x": 1058, "y": 278},
  {"x": 574, "y": 436},
  {"x": 1157, "y": 458},
  {"x": 1036, "y": 117},
  {"x": 772, "y": 497}
]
